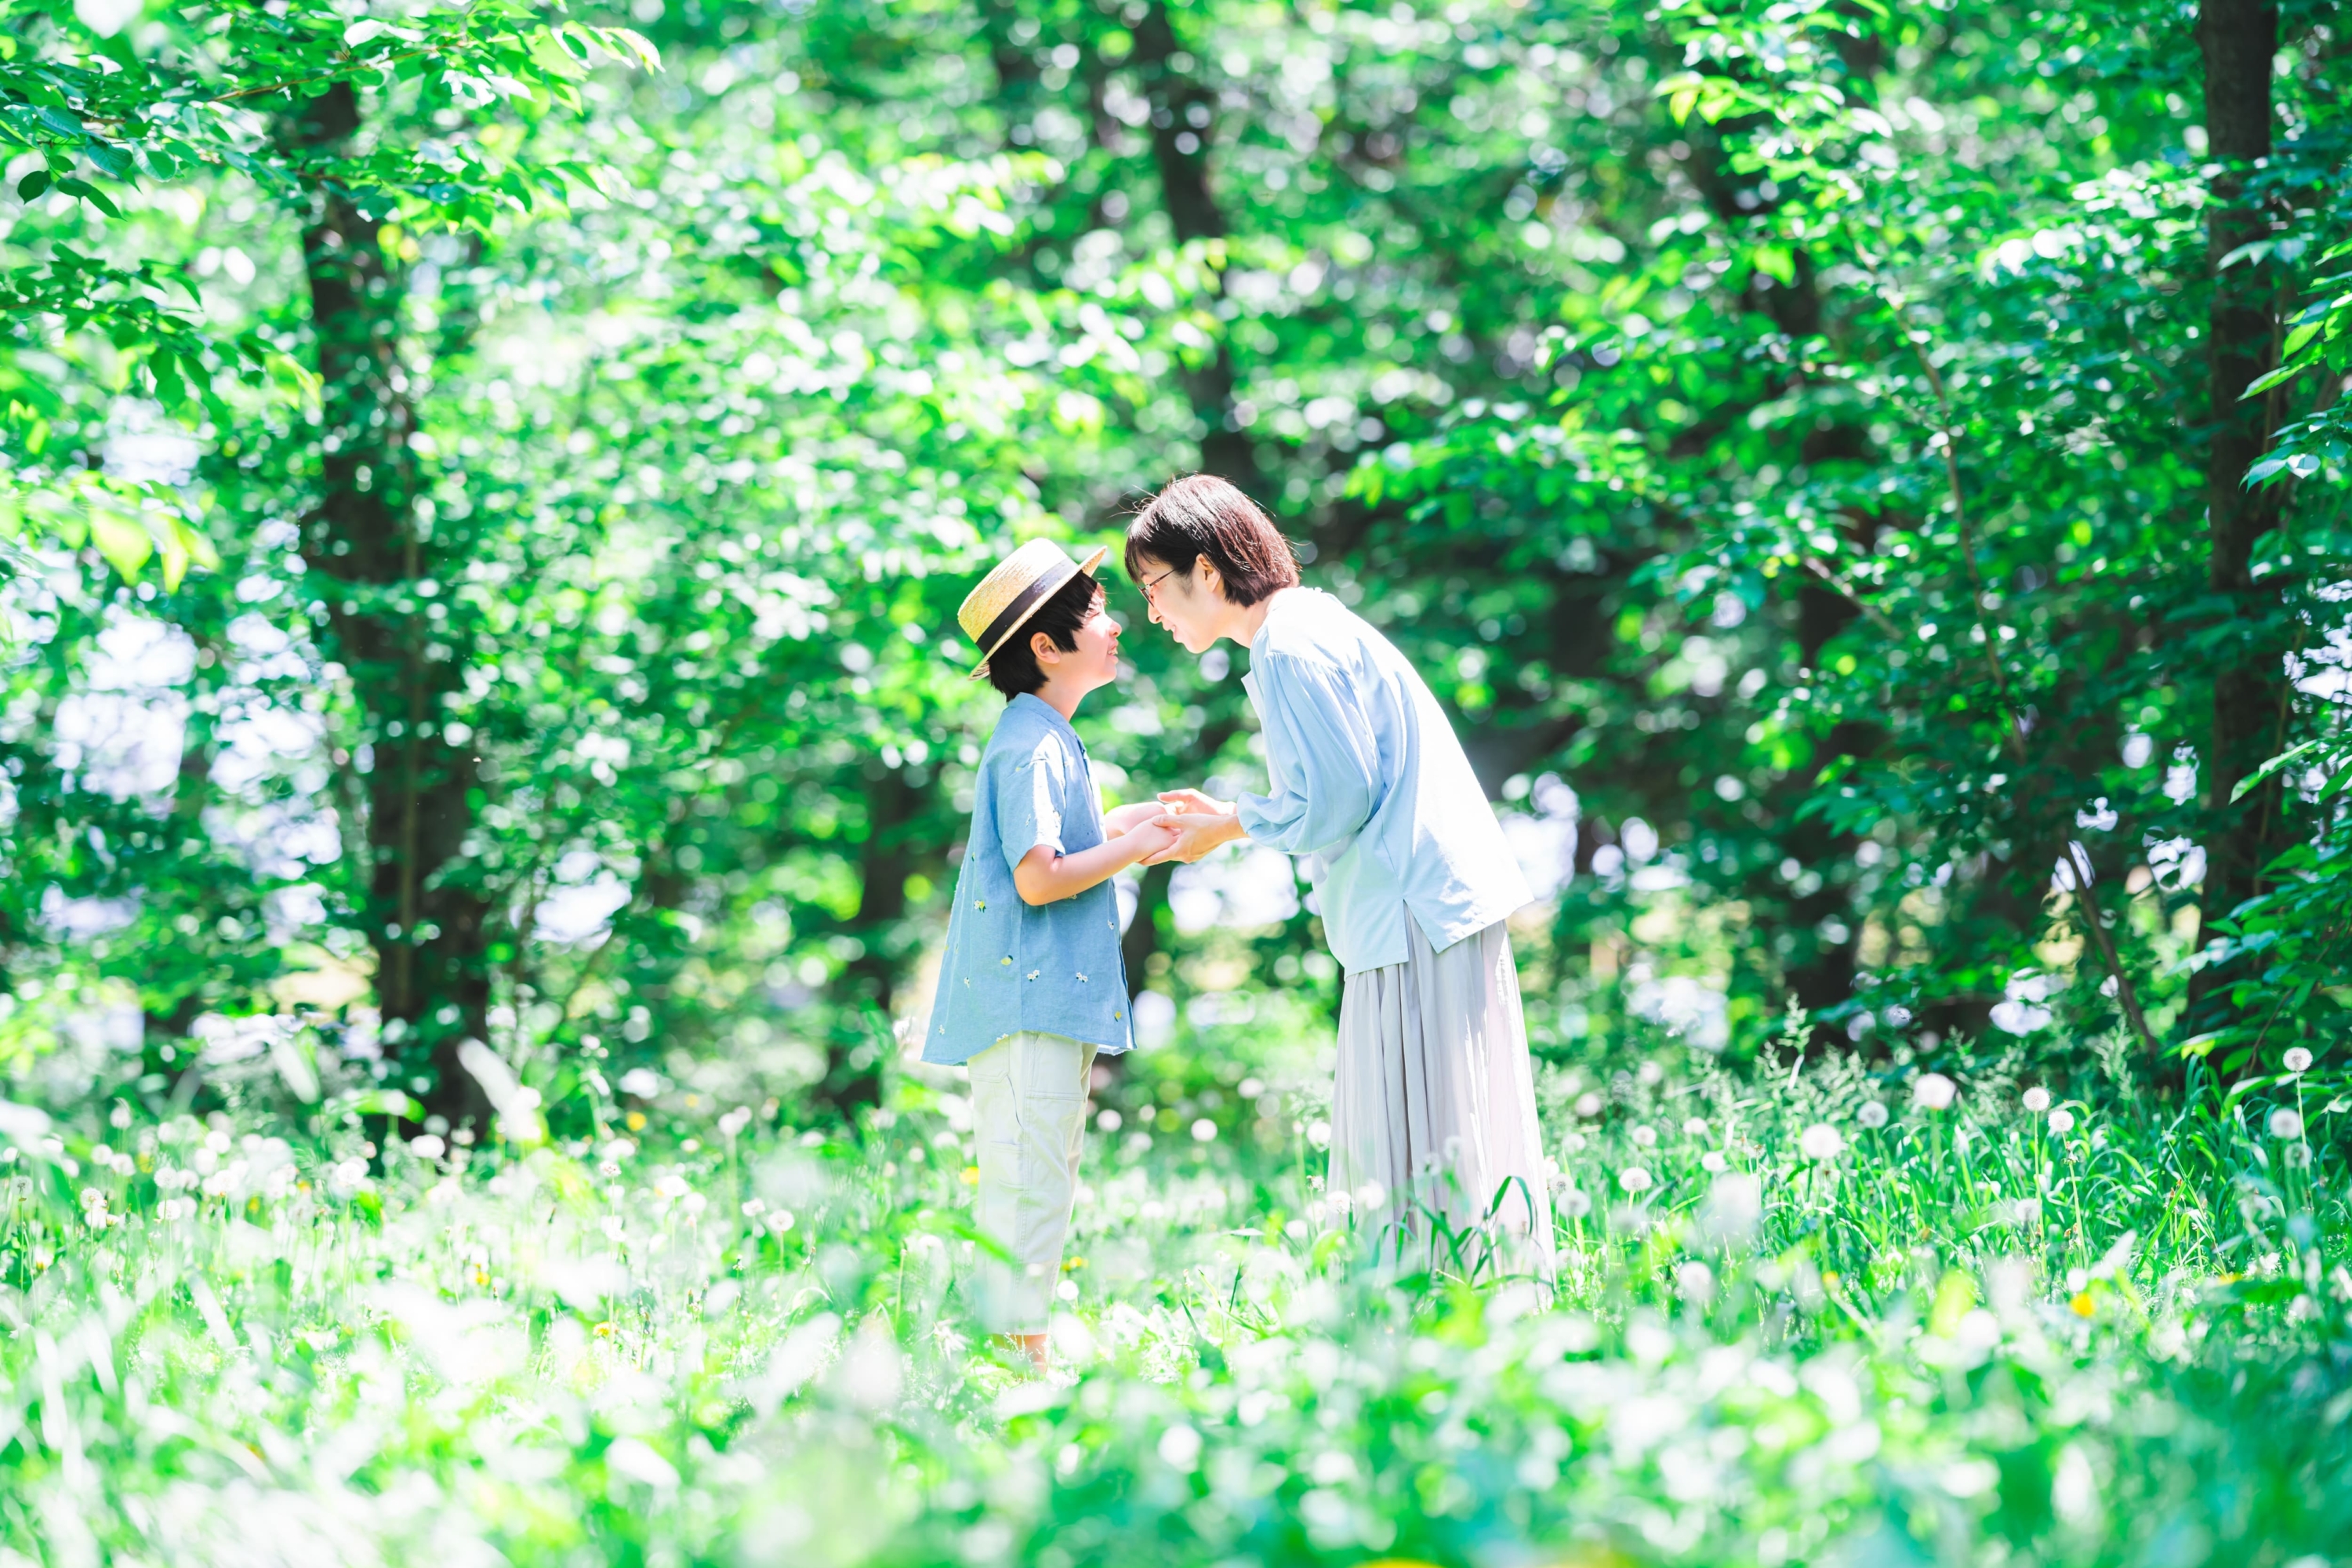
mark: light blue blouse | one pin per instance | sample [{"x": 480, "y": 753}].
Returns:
[
  {"x": 1368, "y": 780},
  {"x": 1009, "y": 965}
]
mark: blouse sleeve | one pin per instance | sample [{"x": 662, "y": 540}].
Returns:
[
  {"x": 1029, "y": 789},
  {"x": 1321, "y": 757}
]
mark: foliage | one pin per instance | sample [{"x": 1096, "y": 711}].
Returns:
[
  {"x": 1823, "y": 1312},
  {"x": 1861, "y": 481},
  {"x": 107, "y": 97}
]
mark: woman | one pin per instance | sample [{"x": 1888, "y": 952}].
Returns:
[{"x": 1433, "y": 1109}]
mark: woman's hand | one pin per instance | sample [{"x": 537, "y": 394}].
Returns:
[
  {"x": 1188, "y": 800},
  {"x": 1197, "y": 833}
]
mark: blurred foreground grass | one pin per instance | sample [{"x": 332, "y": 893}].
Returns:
[{"x": 1802, "y": 1317}]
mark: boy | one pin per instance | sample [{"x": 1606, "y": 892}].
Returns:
[{"x": 1032, "y": 986}]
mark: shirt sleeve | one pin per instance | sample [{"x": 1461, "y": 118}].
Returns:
[
  {"x": 1029, "y": 792},
  {"x": 1322, "y": 760}
]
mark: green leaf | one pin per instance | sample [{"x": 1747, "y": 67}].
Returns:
[
  {"x": 122, "y": 540},
  {"x": 33, "y": 184},
  {"x": 90, "y": 193}
]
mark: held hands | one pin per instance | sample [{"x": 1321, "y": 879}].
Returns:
[
  {"x": 1195, "y": 823},
  {"x": 1155, "y": 838}
]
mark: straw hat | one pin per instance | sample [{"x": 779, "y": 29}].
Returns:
[{"x": 1009, "y": 596}]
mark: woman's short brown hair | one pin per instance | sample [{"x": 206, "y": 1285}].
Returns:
[{"x": 1200, "y": 514}]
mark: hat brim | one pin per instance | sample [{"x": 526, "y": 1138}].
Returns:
[{"x": 1059, "y": 581}]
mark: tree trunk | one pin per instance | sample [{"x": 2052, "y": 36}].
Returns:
[
  {"x": 1142, "y": 938},
  {"x": 1182, "y": 120},
  {"x": 428, "y": 927},
  {"x": 2239, "y": 39},
  {"x": 868, "y": 988}
]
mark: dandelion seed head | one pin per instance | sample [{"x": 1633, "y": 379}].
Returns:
[
  {"x": 2286, "y": 1122},
  {"x": 1933, "y": 1092},
  {"x": 1695, "y": 1128},
  {"x": 2037, "y": 1099},
  {"x": 1821, "y": 1142},
  {"x": 2062, "y": 1121},
  {"x": 2298, "y": 1060},
  {"x": 1714, "y": 1161},
  {"x": 1645, "y": 1137},
  {"x": 1872, "y": 1114},
  {"x": 1633, "y": 1179}
]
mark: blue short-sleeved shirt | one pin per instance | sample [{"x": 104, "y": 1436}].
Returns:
[{"x": 1010, "y": 966}]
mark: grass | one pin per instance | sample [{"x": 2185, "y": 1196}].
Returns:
[{"x": 2101, "y": 1330}]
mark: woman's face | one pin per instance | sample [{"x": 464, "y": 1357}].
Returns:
[{"x": 1188, "y": 604}]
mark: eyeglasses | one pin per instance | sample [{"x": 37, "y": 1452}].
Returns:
[{"x": 1148, "y": 597}]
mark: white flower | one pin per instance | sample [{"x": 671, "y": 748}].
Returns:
[
  {"x": 1588, "y": 1105},
  {"x": 1933, "y": 1091},
  {"x": 2027, "y": 1211},
  {"x": 1821, "y": 1142},
  {"x": 1372, "y": 1197},
  {"x": 2286, "y": 1122},
  {"x": 1714, "y": 1161},
  {"x": 1574, "y": 1204},
  {"x": 347, "y": 1178},
  {"x": 1633, "y": 1179},
  {"x": 2062, "y": 1120},
  {"x": 1695, "y": 1128},
  {"x": 2037, "y": 1099},
  {"x": 1872, "y": 1114},
  {"x": 2298, "y": 1060},
  {"x": 1645, "y": 1137}
]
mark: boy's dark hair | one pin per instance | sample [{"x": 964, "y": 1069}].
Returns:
[
  {"x": 1200, "y": 514},
  {"x": 1012, "y": 669}
]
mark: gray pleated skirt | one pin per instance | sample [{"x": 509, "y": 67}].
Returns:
[{"x": 1433, "y": 1112}]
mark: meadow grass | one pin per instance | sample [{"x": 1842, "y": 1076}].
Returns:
[{"x": 1825, "y": 1314}]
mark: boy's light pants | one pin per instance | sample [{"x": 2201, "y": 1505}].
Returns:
[{"x": 1028, "y": 1108}]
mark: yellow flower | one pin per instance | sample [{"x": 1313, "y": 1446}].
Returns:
[
  {"x": 2082, "y": 1306},
  {"x": 1830, "y": 1278},
  {"x": 637, "y": 1121},
  {"x": 971, "y": 1176}
]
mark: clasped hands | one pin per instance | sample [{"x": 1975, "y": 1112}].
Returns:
[{"x": 1190, "y": 823}]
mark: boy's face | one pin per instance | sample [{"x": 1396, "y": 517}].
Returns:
[{"x": 1094, "y": 662}]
